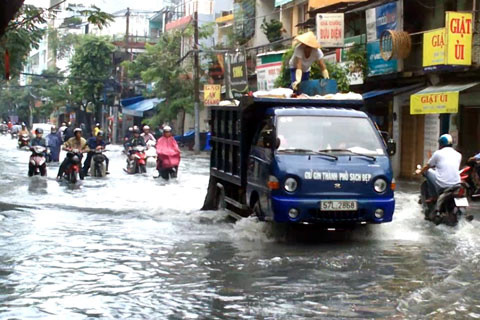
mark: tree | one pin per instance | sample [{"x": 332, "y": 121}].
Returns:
[
  {"x": 91, "y": 67},
  {"x": 172, "y": 80},
  {"x": 273, "y": 31}
]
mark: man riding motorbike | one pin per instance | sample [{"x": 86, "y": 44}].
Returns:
[
  {"x": 442, "y": 170},
  {"x": 147, "y": 135},
  {"x": 38, "y": 140},
  {"x": 24, "y": 130},
  {"x": 168, "y": 155},
  {"x": 136, "y": 140},
  {"x": 77, "y": 142},
  {"x": 95, "y": 143}
]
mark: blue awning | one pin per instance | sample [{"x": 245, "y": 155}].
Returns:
[
  {"x": 395, "y": 91},
  {"x": 129, "y": 101},
  {"x": 137, "y": 109}
]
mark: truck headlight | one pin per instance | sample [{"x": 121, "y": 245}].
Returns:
[
  {"x": 380, "y": 185},
  {"x": 290, "y": 184}
]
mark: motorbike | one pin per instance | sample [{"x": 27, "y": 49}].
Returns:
[
  {"x": 23, "y": 141},
  {"x": 72, "y": 171},
  {"x": 167, "y": 163},
  {"x": 151, "y": 154},
  {"x": 466, "y": 175},
  {"x": 448, "y": 208},
  {"x": 14, "y": 135},
  {"x": 98, "y": 167},
  {"x": 37, "y": 163},
  {"x": 137, "y": 161}
]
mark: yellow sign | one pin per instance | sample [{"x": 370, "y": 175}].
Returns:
[
  {"x": 435, "y": 102},
  {"x": 434, "y": 47},
  {"x": 211, "y": 94},
  {"x": 459, "y": 38}
]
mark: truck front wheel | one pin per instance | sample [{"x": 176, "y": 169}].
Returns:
[{"x": 257, "y": 211}]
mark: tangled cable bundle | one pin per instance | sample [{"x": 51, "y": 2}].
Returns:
[{"x": 395, "y": 45}]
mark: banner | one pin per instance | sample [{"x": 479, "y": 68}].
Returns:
[
  {"x": 385, "y": 17},
  {"x": 459, "y": 27},
  {"x": 436, "y": 102},
  {"x": 269, "y": 67},
  {"x": 434, "y": 47},
  {"x": 330, "y": 29},
  {"x": 211, "y": 94}
]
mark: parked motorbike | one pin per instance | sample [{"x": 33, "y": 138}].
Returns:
[
  {"x": 137, "y": 161},
  {"x": 98, "y": 166},
  {"x": 448, "y": 208},
  {"x": 72, "y": 171},
  {"x": 37, "y": 164},
  {"x": 466, "y": 174},
  {"x": 24, "y": 141}
]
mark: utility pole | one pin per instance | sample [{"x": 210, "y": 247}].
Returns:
[
  {"x": 127, "y": 15},
  {"x": 196, "y": 84}
]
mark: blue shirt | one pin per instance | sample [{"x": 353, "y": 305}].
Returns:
[{"x": 93, "y": 143}]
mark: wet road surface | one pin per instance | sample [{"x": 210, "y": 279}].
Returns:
[{"x": 134, "y": 247}]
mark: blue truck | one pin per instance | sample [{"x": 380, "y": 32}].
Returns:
[{"x": 300, "y": 161}]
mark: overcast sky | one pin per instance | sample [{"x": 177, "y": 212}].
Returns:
[{"x": 111, "y": 6}]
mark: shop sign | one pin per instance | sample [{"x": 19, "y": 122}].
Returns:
[
  {"x": 238, "y": 74},
  {"x": 435, "y": 102},
  {"x": 330, "y": 29},
  {"x": 459, "y": 38},
  {"x": 434, "y": 47},
  {"x": 211, "y": 94},
  {"x": 268, "y": 69},
  {"x": 385, "y": 17}
]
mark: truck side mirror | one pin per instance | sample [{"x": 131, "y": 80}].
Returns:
[{"x": 391, "y": 147}]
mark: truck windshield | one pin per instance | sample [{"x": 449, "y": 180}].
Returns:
[{"x": 324, "y": 133}]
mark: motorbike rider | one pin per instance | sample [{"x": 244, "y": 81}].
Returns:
[
  {"x": 95, "y": 143},
  {"x": 24, "y": 130},
  {"x": 147, "y": 135},
  {"x": 167, "y": 146},
  {"x": 136, "y": 140},
  {"x": 54, "y": 142},
  {"x": 77, "y": 142},
  {"x": 96, "y": 129},
  {"x": 69, "y": 132},
  {"x": 442, "y": 170},
  {"x": 38, "y": 140}
]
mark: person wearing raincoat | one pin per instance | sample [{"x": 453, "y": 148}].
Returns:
[
  {"x": 168, "y": 155},
  {"x": 54, "y": 143}
]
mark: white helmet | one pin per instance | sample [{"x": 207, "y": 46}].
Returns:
[
  {"x": 167, "y": 128},
  {"x": 146, "y": 127}
]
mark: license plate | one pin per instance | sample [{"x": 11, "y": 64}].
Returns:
[
  {"x": 461, "y": 202},
  {"x": 338, "y": 205}
]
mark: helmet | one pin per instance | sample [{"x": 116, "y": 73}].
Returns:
[
  {"x": 97, "y": 125},
  {"x": 100, "y": 133},
  {"x": 64, "y": 124},
  {"x": 135, "y": 130},
  {"x": 23, "y": 124},
  {"x": 445, "y": 140},
  {"x": 130, "y": 129},
  {"x": 167, "y": 128},
  {"x": 77, "y": 130},
  {"x": 38, "y": 131},
  {"x": 135, "y": 127},
  {"x": 146, "y": 128},
  {"x": 53, "y": 129}
]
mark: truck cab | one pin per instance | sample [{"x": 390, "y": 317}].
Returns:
[{"x": 311, "y": 162}]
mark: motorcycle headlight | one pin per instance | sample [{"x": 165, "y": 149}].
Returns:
[
  {"x": 380, "y": 185},
  {"x": 290, "y": 184}
]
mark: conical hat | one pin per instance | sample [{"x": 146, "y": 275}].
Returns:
[{"x": 308, "y": 39}]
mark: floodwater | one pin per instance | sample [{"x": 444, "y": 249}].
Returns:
[{"x": 135, "y": 247}]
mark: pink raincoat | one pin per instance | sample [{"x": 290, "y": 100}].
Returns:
[{"x": 168, "y": 152}]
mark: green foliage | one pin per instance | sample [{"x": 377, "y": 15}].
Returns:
[
  {"x": 51, "y": 89},
  {"x": 284, "y": 79},
  {"x": 23, "y": 33},
  {"x": 172, "y": 80},
  {"x": 91, "y": 66},
  {"x": 273, "y": 30},
  {"x": 95, "y": 16},
  {"x": 358, "y": 55}
]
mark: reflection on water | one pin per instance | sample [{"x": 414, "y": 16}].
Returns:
[{"x": 137, "y": 247}]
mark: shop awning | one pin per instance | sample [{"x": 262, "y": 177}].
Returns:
[
  {"x": 137, "y": 109},
  {"x": 128, "y": 101},
  {"x": 438, "y": 99},
  {"x": 396, "y": 91}
]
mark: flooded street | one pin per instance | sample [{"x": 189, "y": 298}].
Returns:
[{"x": 134, "y": 247}]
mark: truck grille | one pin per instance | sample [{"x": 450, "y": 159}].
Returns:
[{"x": 336, "y": 216}]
